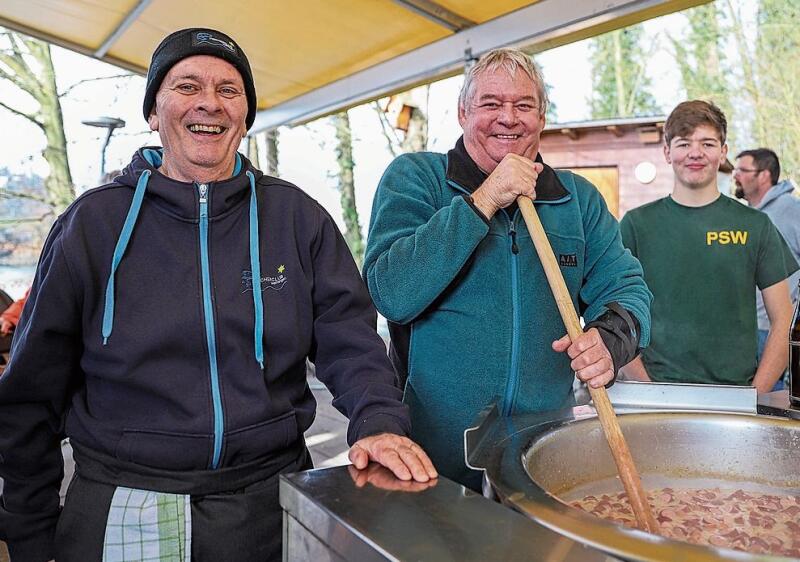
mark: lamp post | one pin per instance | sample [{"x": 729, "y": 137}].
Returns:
[{"x": 110, "y": 123}]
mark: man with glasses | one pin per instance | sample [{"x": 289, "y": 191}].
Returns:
[
  {"x": 757, "y": 176},
  {"x": 703, "y": 256}
]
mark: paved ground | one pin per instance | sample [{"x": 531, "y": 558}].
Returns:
[{"x": 326, "y": 439}]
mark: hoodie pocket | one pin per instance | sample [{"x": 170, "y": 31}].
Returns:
[
  {"x": 255, "y": 441},
  {"x": 161, "y": 449}
]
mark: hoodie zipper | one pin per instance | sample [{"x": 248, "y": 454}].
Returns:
[
  {"x": 513, "y": 375},
  {"x": 208, "y": 314}
]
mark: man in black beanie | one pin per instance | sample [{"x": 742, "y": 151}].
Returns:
[{"x": 166, "y": 334}]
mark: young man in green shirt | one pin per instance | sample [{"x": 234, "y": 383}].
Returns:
[{"x": 703, "y": 256}]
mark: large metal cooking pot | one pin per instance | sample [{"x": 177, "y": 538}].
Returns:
[{"x": 537, "y": 463}]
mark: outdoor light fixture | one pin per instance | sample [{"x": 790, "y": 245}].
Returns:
[
  {"x": 110, "y": 123},
  {"x": 645, "y": 172}
]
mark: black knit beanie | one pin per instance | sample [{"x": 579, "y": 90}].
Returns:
[{"x": 197, "y": 41}]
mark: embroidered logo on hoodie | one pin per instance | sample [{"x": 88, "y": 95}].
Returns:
[{"x": 274, "y": 282}]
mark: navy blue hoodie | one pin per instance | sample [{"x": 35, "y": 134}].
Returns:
[{"x": 143, "y": 340}]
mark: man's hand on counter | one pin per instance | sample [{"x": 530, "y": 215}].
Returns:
[
  {"x": 383, "y": 478},
  {"x": 399, "y": 454}
]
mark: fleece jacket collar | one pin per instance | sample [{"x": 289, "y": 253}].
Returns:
[
  {"x": 180, "y": 198},
  {"x": 462, "y": 170}
]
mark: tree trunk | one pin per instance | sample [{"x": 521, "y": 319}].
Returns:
[
  {"x": 60, "y": 189},
  {"x": 416, "y": 138},
  {"x": 344, "y": 157},
  {"x": 252, "y": 150},
  {"x": 620, "y": 86},
  {"x": 272, "y": 152},
  {"x": 779, "y": 80},
  {"x": 619, "y": 78},
  {"x": 748, "y": 69}
]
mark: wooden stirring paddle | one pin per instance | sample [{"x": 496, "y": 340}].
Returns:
[{"x": 605, "y": 411}]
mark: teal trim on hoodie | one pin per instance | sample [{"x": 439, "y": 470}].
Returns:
[{"x": 434, "y": 263}]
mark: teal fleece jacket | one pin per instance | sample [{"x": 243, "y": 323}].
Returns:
[{"x": 474, "y": 293}]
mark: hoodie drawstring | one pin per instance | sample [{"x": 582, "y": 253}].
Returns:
[
  {"x": 154, "y": 158},
  {"x": 119, "y": 251},
  {"x": 255, "y": 267}
]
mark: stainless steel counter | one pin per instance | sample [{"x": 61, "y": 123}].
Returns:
[
  {"x": 777, "y": 404},
  {"x": 327, "y": 517}
]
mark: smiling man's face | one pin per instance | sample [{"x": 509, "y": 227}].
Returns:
[
  {"x": 503, "y": 116},
  {"x": 199, "y": 114}
]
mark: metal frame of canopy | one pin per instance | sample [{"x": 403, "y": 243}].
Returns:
[{"x": 536, "y": 26}]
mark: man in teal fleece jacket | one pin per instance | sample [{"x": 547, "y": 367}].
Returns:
[{"x": 452, "y": 267}]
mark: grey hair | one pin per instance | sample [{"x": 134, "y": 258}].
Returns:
[{"x": 509, "y": 60}]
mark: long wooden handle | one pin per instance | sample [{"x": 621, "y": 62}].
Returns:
[{"x": 605, "y": 411}]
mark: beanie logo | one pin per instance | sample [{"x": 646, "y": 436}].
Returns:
[{"x": 206, "y": 37}]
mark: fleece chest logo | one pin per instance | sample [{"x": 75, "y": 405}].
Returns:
[
  {"x": 725, "y": 237},
  {"x": 568, "y": 260},
  {"x": 205, "y": 37},
  {"x": 275, "y": 282}
]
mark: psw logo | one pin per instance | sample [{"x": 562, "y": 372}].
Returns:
[{"x": 726, "y": 237}]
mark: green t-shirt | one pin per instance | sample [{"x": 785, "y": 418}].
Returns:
[{"x": 702, "y": 265}]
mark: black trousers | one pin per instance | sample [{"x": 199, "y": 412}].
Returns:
[{"x": 243, "y": 525}]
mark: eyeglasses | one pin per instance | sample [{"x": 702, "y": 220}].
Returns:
[{"x": 746, "y": 170}]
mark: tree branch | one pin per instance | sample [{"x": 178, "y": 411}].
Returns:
[
  {"x": 6, "y": 193},
  {"x": 640, "y": 74},
  {"x": 427, "y": 113},
  {"x": 97, "y": 79},
  {"x": 13, "y": 78},
  {"x": 19, "y": 65},
  {"x": 19, "y": 75},
  {"x": 28, "y": 116},
  {"x": 386, "y": 127},
  {"x": 6, "y": 222}
]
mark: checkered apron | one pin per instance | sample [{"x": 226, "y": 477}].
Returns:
[{"x": 148, "y": 526}]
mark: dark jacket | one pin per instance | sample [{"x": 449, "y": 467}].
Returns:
[{"x": 177, "y": 385}]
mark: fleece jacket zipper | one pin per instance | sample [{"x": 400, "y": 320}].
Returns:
[{"x": 513, "y": 375}]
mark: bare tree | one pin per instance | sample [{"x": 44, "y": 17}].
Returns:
[
  {"x": 700, "y": 56},
  {"x": 26, "y": 63},
  {"x": 252, "y": 149},
  {"x": 408, "y": 131},
  {"x": 778, "y": 112},
  {"x": 347, "y": 190},
  {"x": 767, "y": 77},
  {"x": 272, "y": 152},
  {"x": 620, "y": 87},
  {"x": 271, "y": 139}
]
